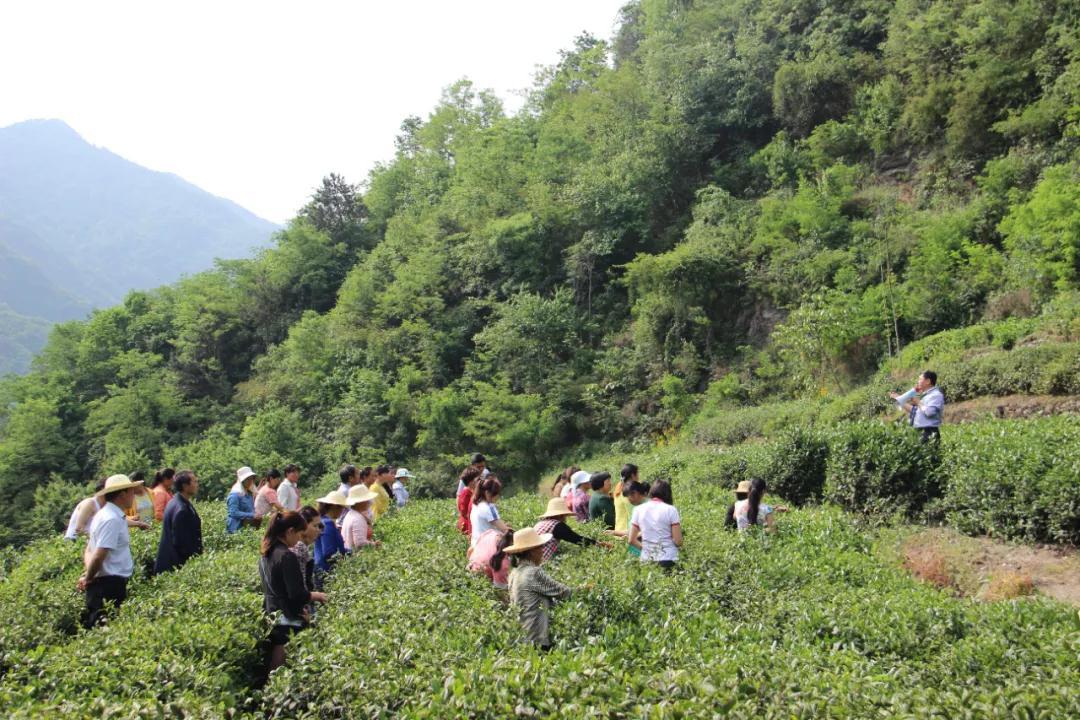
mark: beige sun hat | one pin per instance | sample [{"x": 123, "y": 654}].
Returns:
[
  {"x": 556, "y": 508},
  {"x": 527, "y": 539},
  {"x": 743, "y": 487},
  {"x": 334, "y": 498},
  {"x": 116, "y": 483},
  {"x": 358, "y": 494},
  {"x": 243, "y": 474}
]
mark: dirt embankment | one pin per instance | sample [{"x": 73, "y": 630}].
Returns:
[
  {"x": 989, "y": 569},
  {"x": 1011, "y": 406}
]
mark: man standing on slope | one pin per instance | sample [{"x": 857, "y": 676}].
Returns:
[
  {"x": 925, "y": 410},
  {"x": 181, "y": 528},
  {"x": 108, "y": 555}
]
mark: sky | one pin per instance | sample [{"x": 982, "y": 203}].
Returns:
[{"x": 257, "y": 101}]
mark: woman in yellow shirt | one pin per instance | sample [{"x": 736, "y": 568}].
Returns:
[
  {"x": 143, "y": 507},
  {"x": 623, "y": 506}
]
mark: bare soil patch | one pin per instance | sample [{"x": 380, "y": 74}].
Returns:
[
  {"x": 988, "y": 569},
  {"x": 1012, "y": 406}
]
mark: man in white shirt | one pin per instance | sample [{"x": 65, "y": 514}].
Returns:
[
  {"x": 107, "y": 559},
  {"x": 925, "y": 413},
  {"x": 288, "y": 495}
]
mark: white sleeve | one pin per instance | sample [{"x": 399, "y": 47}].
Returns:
[{"x": 673, "y": 513}]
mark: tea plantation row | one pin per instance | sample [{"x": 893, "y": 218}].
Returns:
[
  {"x": 1015, "y": 479},
  {"x": 805, "y": 623},
  {"x": 808, "y": 622}
]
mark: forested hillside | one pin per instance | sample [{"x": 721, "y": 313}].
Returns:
[{"x": 730, "y": 203}]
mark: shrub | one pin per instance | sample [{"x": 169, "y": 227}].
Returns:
[
  {"x": 1015, "y": 479},
  {"x": 796, "y": 465},
  {"x": 880, "y": 470}
]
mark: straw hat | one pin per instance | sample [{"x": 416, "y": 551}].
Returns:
[
  {"x": 743, "y": 487},
  {"x": 579, "y": 478},
  {"x": 243, "y": 474},
  {"x": 527, "y": 539},
  {"x": 117, "y": 483},
  {"x": 556, "y": 508},
  {"x": 335, "y": 498},
  {"x": 357, "y": 494}
]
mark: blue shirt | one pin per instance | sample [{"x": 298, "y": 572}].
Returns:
[
  {"x": 240, "y": 508},
  {"x": 328, "y": 544},
  {"x": 929, "y": 410}
]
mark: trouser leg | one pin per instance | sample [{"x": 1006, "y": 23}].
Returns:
[{"x": 102, "y": 593}]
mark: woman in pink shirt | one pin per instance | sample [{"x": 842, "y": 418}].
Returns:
[
  {"x": 356, "y": 528},
  {"x": 488, "y": 557},
  {"x": 266, "y": 499}
]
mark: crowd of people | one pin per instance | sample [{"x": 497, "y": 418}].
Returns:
[{"x": 302, "y": 543}]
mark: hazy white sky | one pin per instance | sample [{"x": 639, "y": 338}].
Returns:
[{"x": 256, "y": 101}]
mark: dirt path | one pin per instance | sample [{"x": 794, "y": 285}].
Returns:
[{"x": 989, "y": 569}]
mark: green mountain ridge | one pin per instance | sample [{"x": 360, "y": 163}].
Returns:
[{"x": 81, "y": 226}]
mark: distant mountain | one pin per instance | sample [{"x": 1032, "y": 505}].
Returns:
[{"x": 81, "y": 226}]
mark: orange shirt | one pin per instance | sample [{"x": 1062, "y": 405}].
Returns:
[{"x": 161, "y": 499}]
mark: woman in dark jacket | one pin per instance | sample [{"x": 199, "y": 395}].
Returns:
[{"x": 284, "y": 589}]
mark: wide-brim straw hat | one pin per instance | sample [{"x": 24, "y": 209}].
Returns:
[
  {"x": 334, "y": 498},
  {"x": 359, "y": 494},
  {"x": 116, "y": 483},
  {"x": 528, "y": 539},
  {"x": 556, "y": 508},
  {"x": 743, "y": 487}
]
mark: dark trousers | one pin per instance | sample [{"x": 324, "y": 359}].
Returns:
[
  {"x": 102, "y": 591},
  {"x": 930, "y": 434}
]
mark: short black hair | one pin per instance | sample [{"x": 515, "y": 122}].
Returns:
[
  {"x": 628, "y": 471},
  {"x": 597, "y": 480},
  {"x": 271, "y": 473},
  {"x": 109, "y": 497},
  {"x": 137, "y": 476},
  {"x": 346, "y": 472},
  {"x": 290, "y": 468},
  {"x": 478, "y": 458},
  {"x": 182, "y": 479},
  {"x": 636, "y": 486},
  {"x": 931, "y": 376},
  {"x": 382, "y": 469}
]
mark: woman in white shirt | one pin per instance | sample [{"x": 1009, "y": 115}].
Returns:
[
  {"x": 655, "y": 527},
  {"x": 752, "y": 511},
  {"x": 484, "y": 515}
]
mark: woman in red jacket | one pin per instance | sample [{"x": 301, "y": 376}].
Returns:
[{"x": 469, "y": 477}]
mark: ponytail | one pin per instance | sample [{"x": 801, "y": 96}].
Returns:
[
  {"x": 278, "y": 526},
  {"x": 505, "y": 541},
  {"x": 488, "y": 486},
  {"x": 757, "y": 491},
  {"x": 161, "y": 476}
]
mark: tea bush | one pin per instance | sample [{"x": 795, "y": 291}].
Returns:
[
  {"x": 1016, "y": 479},
  {"x": 880, "y": 469}
]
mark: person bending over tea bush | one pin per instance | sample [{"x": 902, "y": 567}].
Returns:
[
  {"x": 532, "y": 590},
  {"x": 752, "y": 511},
  {"x": 553, "y": 523}
]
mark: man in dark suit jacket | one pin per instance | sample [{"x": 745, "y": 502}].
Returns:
[{"x": 181, "y": 528}]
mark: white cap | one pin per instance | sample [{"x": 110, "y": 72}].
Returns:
[
  {"x": 403, "y": 472},
  {"x": 579, "y": 478}
]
